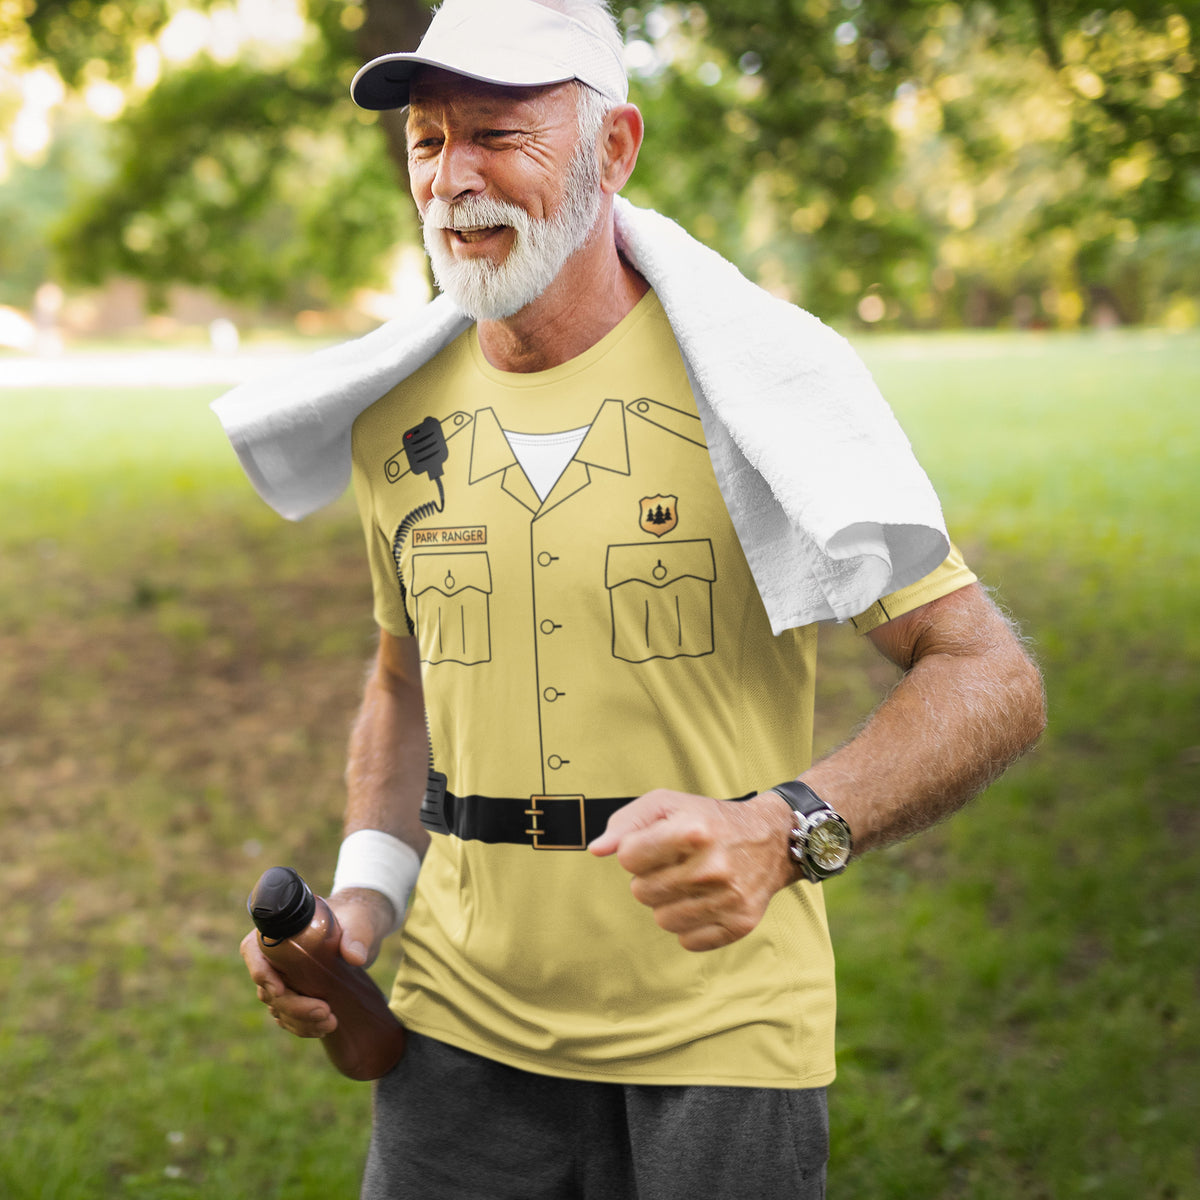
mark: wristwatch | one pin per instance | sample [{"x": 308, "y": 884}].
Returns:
[{"x": 820, "y": 841}]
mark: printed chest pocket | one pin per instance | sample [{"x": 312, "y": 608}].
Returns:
[
  {"x": 452, "y": 592},
  {"x": 661, "y": 598}
]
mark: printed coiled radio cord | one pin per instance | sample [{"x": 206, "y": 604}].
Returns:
[{"x": 426, "y": 450}]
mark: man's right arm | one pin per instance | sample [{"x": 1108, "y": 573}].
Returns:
[
  {"x": 389, "y": 747},
  {"x": 385, "y": 779}
]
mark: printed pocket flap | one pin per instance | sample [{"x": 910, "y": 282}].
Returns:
[
  {"x": 660, "y": 564},
  {"x": 452, "y": 573}
]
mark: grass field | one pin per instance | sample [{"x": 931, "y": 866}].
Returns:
[{"x": 178, "y": 668}]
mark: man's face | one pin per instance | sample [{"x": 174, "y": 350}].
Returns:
[{"x": 506, "y": 190}]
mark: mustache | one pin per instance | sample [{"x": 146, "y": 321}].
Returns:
[{"x": 474, "y": 212}]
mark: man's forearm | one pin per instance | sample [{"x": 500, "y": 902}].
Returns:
[
  {"x": 965, "y": 709},
  {"x": 389, "y": 749}
]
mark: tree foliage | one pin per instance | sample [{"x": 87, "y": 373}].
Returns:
[
  {"x": 257, "y": 178},
  {"x": 259, "y": 191},
  {"x": 80, "y": 35},
  {"x": 947, "y": 158}
]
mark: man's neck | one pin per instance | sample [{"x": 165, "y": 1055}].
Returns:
[{"x": 592, "y": 294}]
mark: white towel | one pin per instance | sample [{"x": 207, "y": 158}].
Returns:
[{"x": 828, "y": 501}]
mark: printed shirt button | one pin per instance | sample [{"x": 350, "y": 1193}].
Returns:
[
  {"x": 545, "y": 559},
  {"x": 548, "y": 626}
]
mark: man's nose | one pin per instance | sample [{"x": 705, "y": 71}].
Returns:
[{"x": 458, "y": 172}]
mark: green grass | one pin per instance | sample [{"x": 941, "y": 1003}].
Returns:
[{"x": 178, "y": 669}]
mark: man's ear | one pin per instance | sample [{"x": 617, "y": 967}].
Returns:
[{"x": 620, "y": 141}]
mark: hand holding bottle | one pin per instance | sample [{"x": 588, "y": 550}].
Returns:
[
  {"x": 308, "y": 958},
  {"x": 365, "y": 918}
]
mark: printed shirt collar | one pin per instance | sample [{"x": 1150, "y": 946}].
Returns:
[{"x": 606, "y": 444}]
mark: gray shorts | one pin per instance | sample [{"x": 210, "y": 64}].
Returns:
[{"x": 450, "y": 1125}]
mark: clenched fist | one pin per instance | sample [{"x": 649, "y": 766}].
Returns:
[{"x": 708, "y": 868}]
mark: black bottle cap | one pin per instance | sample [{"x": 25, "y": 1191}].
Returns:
[{"x": 282, "y": 904}]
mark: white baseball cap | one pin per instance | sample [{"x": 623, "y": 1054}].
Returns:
[{"x": 515, "y": 43}]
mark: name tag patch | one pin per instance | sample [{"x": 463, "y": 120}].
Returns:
[{"x": 454, "y": 535}]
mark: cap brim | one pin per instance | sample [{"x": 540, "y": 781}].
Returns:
[{"x": 384, "y": 82}]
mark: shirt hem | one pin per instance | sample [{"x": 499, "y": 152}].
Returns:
[{"x": 620, "y": 1072}]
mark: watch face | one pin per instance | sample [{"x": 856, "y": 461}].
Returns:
[{"x": 829, "y": 845}]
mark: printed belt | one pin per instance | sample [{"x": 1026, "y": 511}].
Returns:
[{"x": 560, "y": 822}]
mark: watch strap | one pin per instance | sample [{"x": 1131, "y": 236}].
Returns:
[{"x": 800, "y": 797}]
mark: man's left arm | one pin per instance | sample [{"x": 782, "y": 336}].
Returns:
[{"x": 969, "y": 703}]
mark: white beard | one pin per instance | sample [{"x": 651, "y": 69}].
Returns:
[{"x": 489, "y": 291}]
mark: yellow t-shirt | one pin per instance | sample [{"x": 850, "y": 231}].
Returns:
[{"x": 600, "y": 643}]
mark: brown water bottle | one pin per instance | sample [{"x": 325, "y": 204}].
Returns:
[{"x": 301, "y": 937}]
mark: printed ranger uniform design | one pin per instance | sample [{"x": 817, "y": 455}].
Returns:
[{"x": 576, "y": 652}]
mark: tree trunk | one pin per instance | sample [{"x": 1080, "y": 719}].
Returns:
[{"x": 389, "y": 26}]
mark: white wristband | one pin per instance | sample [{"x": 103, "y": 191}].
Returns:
[{"x": 370, "y": 858}]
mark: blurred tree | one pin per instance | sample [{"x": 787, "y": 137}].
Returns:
[
  {"x": 255, "y": 177},
  {"x": 86, "y": 37},
  {"x": 925, "y": 158},
  {"x": 32, "y": 198},
  {"x": 242, "y": 180},
  {"x": 1057, "y": 176}
]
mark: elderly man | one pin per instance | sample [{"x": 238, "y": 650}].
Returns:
[{"x": 591, "y": 708}]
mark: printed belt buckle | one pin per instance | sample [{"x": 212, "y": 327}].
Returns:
[{"x": 571, "y": 816}]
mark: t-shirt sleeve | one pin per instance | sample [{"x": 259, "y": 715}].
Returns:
[
  {"x": 951, "y": 575},
  {"x": 390, "y": 613}
]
